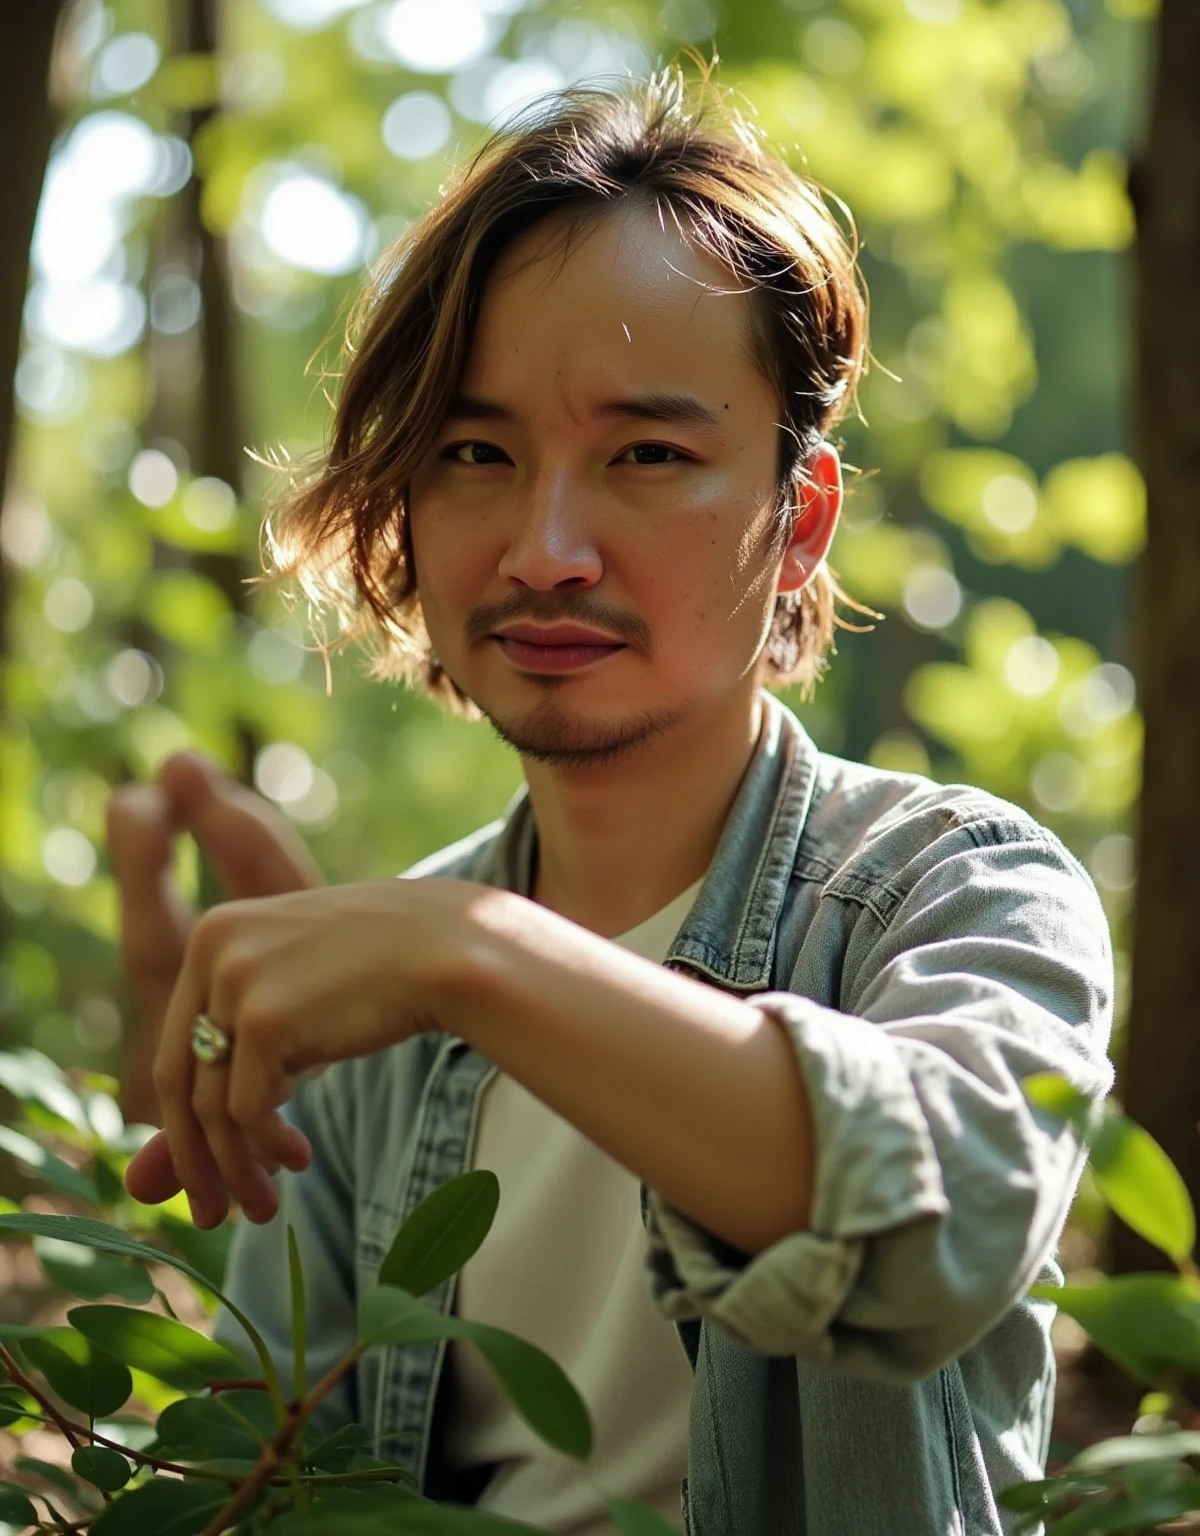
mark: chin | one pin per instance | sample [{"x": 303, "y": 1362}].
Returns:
[{"x": 563, "y": 737}]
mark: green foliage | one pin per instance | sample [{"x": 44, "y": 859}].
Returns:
[
  {"x": 15, "y": 1506},
  {"x": 1148, "y": 1323},
  {"x": 81, "y": 1371},
  {"x": 238, "y": 1441},
  {"x": 162, "y": 1506},
  {"x": 537, "y": 1387},
  {"x": 160, "y": 1346},
  {"x": 1143, "y": 1186},
  {"x": 438, "y": 1238},
  {"x": 105, "y": 1469}
]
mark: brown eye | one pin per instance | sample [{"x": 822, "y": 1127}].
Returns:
[
  {"x": 477, "y": 453},
  {"x": 652, "y": 453}
]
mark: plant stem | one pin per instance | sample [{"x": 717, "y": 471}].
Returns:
[
  {"x": 48, "y": 1408},
  {"x": 276, "y": 1453},
  {"x": 322, "y": 1479}
]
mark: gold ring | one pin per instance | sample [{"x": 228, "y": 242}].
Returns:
[{"x": 210, "y": 1043}]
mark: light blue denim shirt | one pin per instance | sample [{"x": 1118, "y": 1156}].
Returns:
[{"x": 881, "y": 1374}]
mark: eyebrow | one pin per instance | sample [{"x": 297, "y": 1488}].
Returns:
[{"x": 654, "y": 405}]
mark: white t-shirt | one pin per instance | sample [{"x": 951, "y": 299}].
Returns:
[{"x": 564, "y": 1266}]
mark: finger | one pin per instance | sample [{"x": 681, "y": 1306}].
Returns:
[
  {"x": 150, "y": 1176},
  {"x": 259, "y": 1081},
  {"x": 277, "y": 1142},
  {"x": 174, "y": 1071},
  {"x": 244, "y": 1175},
  {"x": 140, "y": 823},
  {"x": 254, "y": 850},
  {"x": 155, "y": 919}
]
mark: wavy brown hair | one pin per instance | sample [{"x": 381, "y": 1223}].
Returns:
[{"x": 338, "y": 525}]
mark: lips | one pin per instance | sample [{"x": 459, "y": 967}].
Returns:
[
  {"x": 570, "y": 656},
  {"x": 557, "y": 635}
]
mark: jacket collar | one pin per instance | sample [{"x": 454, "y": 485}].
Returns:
[{"x": 729, "y": 935}]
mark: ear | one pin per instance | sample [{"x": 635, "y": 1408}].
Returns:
[{"x": 814, "y": 520}]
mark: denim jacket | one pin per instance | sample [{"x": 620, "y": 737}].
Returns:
[{"x": 881, "y": 1374}]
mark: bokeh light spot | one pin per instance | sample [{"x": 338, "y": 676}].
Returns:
[{"x": 153, "y": 478}]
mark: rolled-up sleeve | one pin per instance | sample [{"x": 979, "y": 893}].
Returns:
[{"x": 939, "y": 1191}]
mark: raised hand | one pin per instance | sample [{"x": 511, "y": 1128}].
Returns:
[{"x": 253, "y": 850}]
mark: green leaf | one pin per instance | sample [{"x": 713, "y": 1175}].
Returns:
[
  {"x": 81, "y": 1371},
  {"x": 537, "y": 1386},
  {"x": 103, "y": 1468},
  {"x": 1133, "y": 1516},
  {"x": 15, "y": 1506},
  {"x": 336, "y": 1451},
  {"x": 109, "y": 1239},
  {"x": 206, "y": 1251},
  {"x": 1047, "y": 1493},
  {"x": 31, "y": 1076},
  {"x": 15, "y": 1405},
  {"x": 58, "y": 1477},
  {"x": 444, "y": 1231},
  {"x": 37, "y": 1117},
  {"x": 1150, "y": 1324},
  {"x": 1051, "y": 1091},
  {"x": 49, "y": 1167},
  {"x": 1124, "y": 1450},
  {"x": 90, "y": 1275},
  {"x": 636, "y": 1520},
  {"x": 1143, "y": 1186},
  {"x": 130, "y": 1430},
  {"x": 99, "y": 1082},
  {"x": 299, "y": 1313},
  {"x": 158, "y": 1345},
  {"x": 110, "y": 1187},
  {"x": 162, "y": 1507},
  {"x": 209, "y": 1428}
]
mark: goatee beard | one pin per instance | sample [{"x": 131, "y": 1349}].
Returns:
[{"x": 545, "y": 734}]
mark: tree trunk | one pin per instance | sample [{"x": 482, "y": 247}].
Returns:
[
  {"x": 1160, "y": 1080},
  {"x": 27, "y": 122}
]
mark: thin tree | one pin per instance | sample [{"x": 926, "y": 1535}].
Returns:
[{"x": 1160, "y": 1081}]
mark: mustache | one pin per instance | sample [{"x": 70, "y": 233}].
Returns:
[{"x": 565, "y": 608}]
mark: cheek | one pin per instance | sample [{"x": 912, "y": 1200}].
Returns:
[{"x": 446, "y": 562}]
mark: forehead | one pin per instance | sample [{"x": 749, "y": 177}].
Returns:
[{"x": 621, "y": 291}]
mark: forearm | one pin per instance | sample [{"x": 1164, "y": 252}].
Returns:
[{"x": 694, "y": 1091}]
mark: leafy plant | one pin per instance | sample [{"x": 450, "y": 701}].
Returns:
[
  {"x": 1148, "y": 1323},
  {"x": 240, "y": 1443}
]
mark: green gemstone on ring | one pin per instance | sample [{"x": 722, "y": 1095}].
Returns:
[{"x": 210, "y": 1043}]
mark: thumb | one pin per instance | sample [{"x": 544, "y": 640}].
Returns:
[{"x": 253, "y": 849}]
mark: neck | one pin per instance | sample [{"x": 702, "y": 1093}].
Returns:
[{"x": 616, "y": 844}]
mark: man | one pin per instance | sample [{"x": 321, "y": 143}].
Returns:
[{"x": 580, "y": 482}]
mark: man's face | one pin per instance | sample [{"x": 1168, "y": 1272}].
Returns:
[{"x": 609, "y": 463}]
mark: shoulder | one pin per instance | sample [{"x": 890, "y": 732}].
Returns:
[{"x": 874, "y": 834}]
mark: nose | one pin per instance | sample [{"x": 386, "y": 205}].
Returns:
[{"x": 551, "y": 543}]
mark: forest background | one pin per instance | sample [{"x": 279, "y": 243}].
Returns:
[{"x": 218, "y": 177}]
